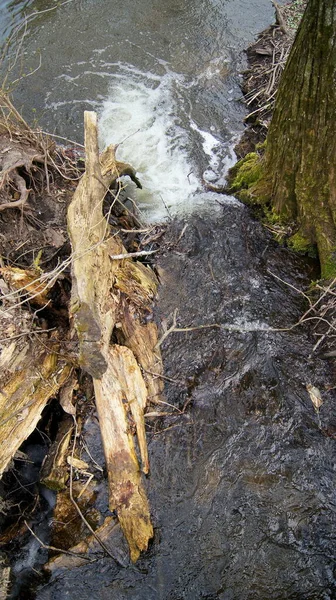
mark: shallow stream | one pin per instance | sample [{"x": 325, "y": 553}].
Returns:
[
  {"x": 242, "y": 484},
  {"x": 164, "y": 78}
]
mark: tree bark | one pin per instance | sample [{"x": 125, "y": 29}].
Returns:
[{"x": 299, "y": 162}]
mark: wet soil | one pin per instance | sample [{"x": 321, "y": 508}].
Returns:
[{"x": 241, "y": 485}]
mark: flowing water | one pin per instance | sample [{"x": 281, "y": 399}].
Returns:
[
  {"x": 163, "y": 77},
  {"x": 242, "y": 481}
]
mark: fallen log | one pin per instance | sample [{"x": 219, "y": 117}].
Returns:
[
  {"x": 32, "y": 372},
  {"x": 107, "y": 292}
]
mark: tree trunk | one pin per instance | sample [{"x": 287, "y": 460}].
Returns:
[{"x": 301, "y": 145}]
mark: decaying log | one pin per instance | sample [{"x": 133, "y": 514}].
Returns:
[
  {"x": 31, "y": 368},
  {"x": 30, "y": 376},
  {"x": 5, "y": 572},
  {"x": 142, "y": 340},
  {"x": 101, "y": 290}
]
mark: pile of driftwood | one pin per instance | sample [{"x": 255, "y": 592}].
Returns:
[
  {"x": 267, "y": 59},
  {"x": 105, "y": 334}
]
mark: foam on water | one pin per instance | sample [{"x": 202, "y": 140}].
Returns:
[
  {"x": 140, "y": 114},
  {"x": 220, "y": 157}
]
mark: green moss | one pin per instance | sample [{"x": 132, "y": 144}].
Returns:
[
  {"x": 272, "y": 218},
  {"x": 328, "y": 269},
  {"x": 246, "y": 172},
  {"x": 261, "y": 147},
  {"x": 247, "y": 179},
  {"x": 301, "y": 244}
]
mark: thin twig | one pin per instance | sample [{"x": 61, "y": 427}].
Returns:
[
  {"x": 132, "y": 254},
  {"x": 28, "y": 333},
  {"x": 165, "y": 377},
  {"x": 54, "y": 549},
  {"x": 290, "y": 286}
]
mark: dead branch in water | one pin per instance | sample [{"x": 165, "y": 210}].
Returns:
[
  {"x": 97, "y": 305},
  {"x": 111, "y": 294}
]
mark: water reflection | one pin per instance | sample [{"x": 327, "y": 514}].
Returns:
[{"x": 11, "y": 13}]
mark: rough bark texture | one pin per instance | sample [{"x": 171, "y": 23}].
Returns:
[
  {"x": 103, "y": 292},
  {"x": 301, "y": 144},
  {"x": 31, "y": 374}
]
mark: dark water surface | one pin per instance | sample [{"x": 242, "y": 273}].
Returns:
[{"x": 242, "y": 485}]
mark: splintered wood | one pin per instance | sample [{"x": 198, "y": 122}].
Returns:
[
  {"x": 109, "y": 297},
  {"x": 31, "y": 373}
]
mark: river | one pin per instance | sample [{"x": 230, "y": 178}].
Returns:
[
  {"x": 242, "y": 479},
  {"x": 164, "y": 79}
]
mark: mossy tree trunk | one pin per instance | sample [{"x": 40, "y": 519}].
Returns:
[{"x": 300, "y": 158}]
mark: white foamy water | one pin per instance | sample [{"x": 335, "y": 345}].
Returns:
[
  {"x": 220, "y": 158},
  {"x": 139, "y": 115},
  {"x": 144, "y": 113}
]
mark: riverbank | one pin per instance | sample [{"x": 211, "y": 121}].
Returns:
[
  {"x": 241, "y": 483},
  {"x": 266, "y": 60}
]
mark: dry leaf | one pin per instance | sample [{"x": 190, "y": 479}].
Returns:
[
  {"x": 315, "y": 396},
  {"x": 76, "y": 463}
]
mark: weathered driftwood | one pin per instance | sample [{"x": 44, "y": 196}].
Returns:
[
  {"x": 102, "y": 290},
  {"x": 31, "y": 369},
  {"x": 5, "y": 572},
  {"x": 30, "y": 374},
  {"x": 90, "y": 548},
  {"x": 142, "y": 340}
]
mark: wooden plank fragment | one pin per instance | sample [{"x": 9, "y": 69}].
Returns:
[{"x": 31, "y": 369}]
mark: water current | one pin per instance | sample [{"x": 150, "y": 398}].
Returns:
[
  {"x": 242, "y": 484},
  {"x": 164, "y": 78}
]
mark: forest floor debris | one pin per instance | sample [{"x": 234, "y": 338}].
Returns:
[
  {"x": 50, "y": 332},
  {"x": 266, "y": 60}
]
